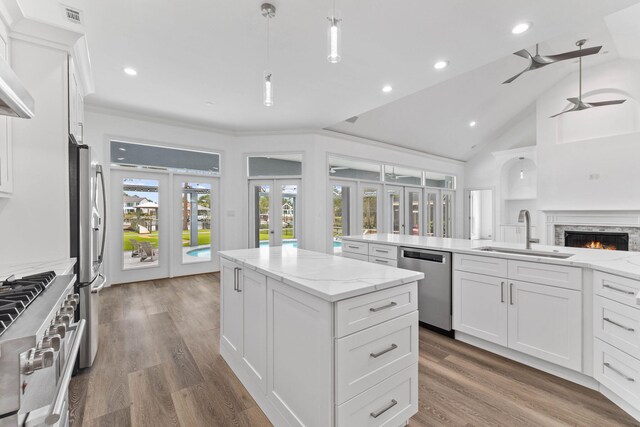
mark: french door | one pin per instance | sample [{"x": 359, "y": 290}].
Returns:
[
  {"x": 274, "y": 207},
  {"x": 138, "y": 226},
  {"x": 404, "y": 209},
  {"x": 161, "y": 225}
]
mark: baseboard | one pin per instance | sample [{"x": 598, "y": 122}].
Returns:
[
  {"x": 622, "y": 404},
  {"x": 254, "y": 390},
  {"x": 534, "y": 362}
]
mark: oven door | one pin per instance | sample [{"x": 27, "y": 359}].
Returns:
[{"x": 47, "y": 390}]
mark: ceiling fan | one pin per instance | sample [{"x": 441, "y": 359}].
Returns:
[
  {"x": 539, "y": 61},
  {"x": 393, "y": 175},
  {"x": 578, "y": 105}
]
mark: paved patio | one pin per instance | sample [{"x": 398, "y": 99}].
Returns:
[{"x": 135, "y": 262}]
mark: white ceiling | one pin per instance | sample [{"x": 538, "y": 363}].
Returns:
[{"x": 191, "y": 52}]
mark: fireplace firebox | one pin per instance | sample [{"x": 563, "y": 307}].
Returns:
[{"x": 597, "y": 240}]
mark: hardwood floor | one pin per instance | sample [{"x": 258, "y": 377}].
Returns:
[{"x": 159, "y": 365}]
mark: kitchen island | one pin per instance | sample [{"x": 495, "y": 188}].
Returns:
[
  {"x": 320, "y": 340},
  {"x": 572, "y": 312}
]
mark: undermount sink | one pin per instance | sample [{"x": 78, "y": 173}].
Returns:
[{"x": 529, "y": 252}]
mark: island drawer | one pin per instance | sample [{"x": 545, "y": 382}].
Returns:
[
  {"x": 617, "y": 371},
  {"x": 480, "y": 264},
  {"x": 355, "y": 247},
  {"x": 617, "y": 288},
  {"x": 383, "y": 261},
  {"x": 383, "y": 251},
  {"x": 368, "y": 357},
  {"x": 361, "y": 312},
  {"x": 390, "y": 403},
  {"x": 360, "y": 257},
  {"x": 546, "y": 274},
  {"x": 617, "y": 324}
]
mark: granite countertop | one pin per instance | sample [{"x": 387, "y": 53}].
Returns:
[
  {"x": 326, "y": 276},
  {"x": 61, "y": 267},
  {"x": 622, "y": 263}
]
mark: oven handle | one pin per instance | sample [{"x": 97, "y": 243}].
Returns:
[{"x": 56, "y": 409}]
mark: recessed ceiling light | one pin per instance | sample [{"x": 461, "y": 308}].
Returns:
[
  {"x": 440, "y": 65},
  {"x": 387, "y": 89},
  {"x": 130, "y": 71},
  {"x": 521, "y": 28},
  {"x": 122, "y": 149},
  {"x": 120, "y": 158},
  {"x": 472, "y": 123}
]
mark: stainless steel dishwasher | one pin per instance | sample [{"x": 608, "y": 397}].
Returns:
[{"x": 434, "y": 291}]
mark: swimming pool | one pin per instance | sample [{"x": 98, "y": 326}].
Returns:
[{"x": 206, "y": 252}]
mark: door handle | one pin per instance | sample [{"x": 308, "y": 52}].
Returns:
[
  {"x": 238, "y": 280},
  {"x": 501, "y": 291},
  {"x": 511, "y": 293},
  {"x": 235, "y": 278}
]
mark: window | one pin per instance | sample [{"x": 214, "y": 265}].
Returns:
[
  {"x": 341, "y": 214},
  {"x": 177, "y": 160},
  {"x": 447, "y": 213},
  {"x": 275, "y": 165},
  {"x": 432, "y": 179},
  {"x": 369, "y": 210},
  {"x": 354, "y": 169},
  {"x": 402, "y": 175}
]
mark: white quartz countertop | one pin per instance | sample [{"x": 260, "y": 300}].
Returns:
[
  {"x": 622, "y": 263},
  {"x": 61, "y": 267},
  {"x": 329, "y": 277}
]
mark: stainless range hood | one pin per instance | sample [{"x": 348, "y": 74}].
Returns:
[{"x": 14, "y": 99}]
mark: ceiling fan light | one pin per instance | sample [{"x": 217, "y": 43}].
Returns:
[{"x": 520, "y": 28}]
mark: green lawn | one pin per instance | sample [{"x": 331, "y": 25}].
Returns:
[
  {"x": 204, "y": 238},
  {"x": 287, "y": 233}
]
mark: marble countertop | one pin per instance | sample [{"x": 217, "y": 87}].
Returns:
[
  {"x": 329, "y": 277},
  {"x": 61, "y": 267},
  {"x": 622, "y": 263}
]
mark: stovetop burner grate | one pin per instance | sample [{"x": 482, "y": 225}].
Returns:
[{"x": 17, "y": 294}]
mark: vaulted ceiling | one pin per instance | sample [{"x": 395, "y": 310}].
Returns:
[{"x": 213, "y": 51}]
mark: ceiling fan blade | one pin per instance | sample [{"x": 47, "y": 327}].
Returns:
[
  {"x": 575, "y": 101},
  {"x": 524, "y": 54},
  {"x": 574, "y": 54},
  {"x": 516, "y": 76},
  {"x": 576, "y": 106},
  {"x": 603, "y": 103},
  {"x": 560, "y": 113}
]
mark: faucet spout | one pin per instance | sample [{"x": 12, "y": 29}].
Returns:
[{"x": 525, "y": 217}]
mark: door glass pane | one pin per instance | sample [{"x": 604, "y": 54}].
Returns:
[
  {"x": 289, "y": 215},
  {"x": 447, "y": 214},
  {"x": 394, "y": 215},
  {"x": 413, "y": 204},
  {"x": 341, "y": 216},
  {"x": 430, "y": 212},
  {"x": 370, "y": 211},
  {"x": 140, "y": 201},
  {"x": 196, "y": 222},
  {"x": 262, "y": 198}
]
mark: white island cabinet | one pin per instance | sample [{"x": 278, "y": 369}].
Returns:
[{"x": 319, "y": 340}]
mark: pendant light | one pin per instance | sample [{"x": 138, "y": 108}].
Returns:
[
  {"x": 521, "y": 169},
  {"x": 333, "y": 36},
  {"x": 268, "y": 11}
]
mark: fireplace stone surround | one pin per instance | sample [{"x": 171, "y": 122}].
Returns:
[{"x": 557, "y": 222}]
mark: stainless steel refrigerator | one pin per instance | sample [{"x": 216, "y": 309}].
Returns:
[{"x": 88, "y": 226}]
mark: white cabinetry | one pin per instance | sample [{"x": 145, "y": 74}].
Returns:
[
  {"x": 76, "y": 103},
  {"x": 6, "y": 156},
  {"x": 616, "y": 357},
  {"x": 311, "y": 362},
  {"x": 542, "y": 319},
  {"x": 372, "y": 252}
]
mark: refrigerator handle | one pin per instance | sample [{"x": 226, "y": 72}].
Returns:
[{"x": 104, "y": 208}]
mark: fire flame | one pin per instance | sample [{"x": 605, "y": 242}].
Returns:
[{"x": 599, "y": 245}]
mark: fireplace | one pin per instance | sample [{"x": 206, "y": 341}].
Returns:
[{"x": 597, "y": 240}]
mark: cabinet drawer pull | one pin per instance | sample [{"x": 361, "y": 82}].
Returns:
[
  {"x": 385, "y": 409},
  {"x": 501, "y": 291},
  {"x": 386, "y": 350},
  {"x": 384, "y": 307},
  {"x": 606, "y": 319},
  {"x": 618, "y": 372},
  {"x": 385, "y": 251},
  {"x": 381, "y": 261},
  {"x": 613, "y": 288},
  {"x": 353, "y": 247}
]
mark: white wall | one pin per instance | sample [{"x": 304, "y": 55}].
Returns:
[
  {"x": 103, "y": 126},
  {"x": 34, "y": 223},
  {"x": 601, "y": 172}
]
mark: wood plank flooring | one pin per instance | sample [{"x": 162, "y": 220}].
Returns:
[{"x": 159, "y": 365}]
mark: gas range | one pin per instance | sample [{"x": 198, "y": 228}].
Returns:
[
  {"x": 39, "y": 342},
  {"x": 17, "y": 294}
]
